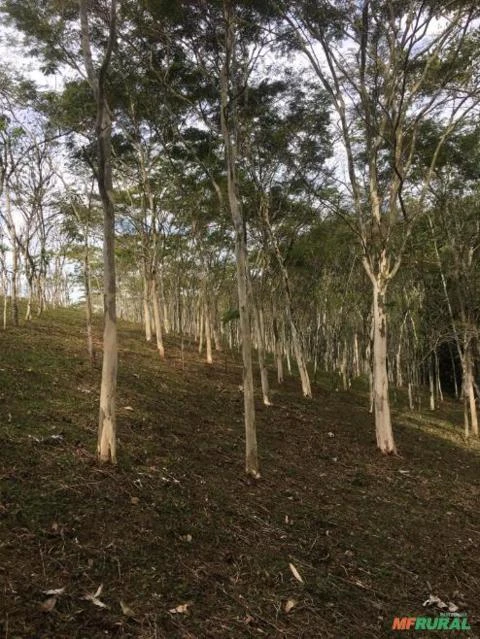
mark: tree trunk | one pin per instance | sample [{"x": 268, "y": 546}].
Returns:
[
  {"x": 227, "y": 106},
  {"x": 296, "y": 343},
  {"x": 157, "y": 317},
  {"x": 431, "y": 383},
  {"x": 356, "y": 356},
  {"x": 278, "y": 351},
  {"x": 5, "y": 304},
  {"x": 398, "y": 361},
  {"x": 261, "y": 357},
  {"x": 88, "y": 307},
  {"x": 469, "y": 390},
  {"x": 201, "y": 328},
  {"x": 106, "y": 443},
  {"x": 208, "y": 334},
  {"x": 410, "y": 396},
  {"x": 383, "y": 422},
  {"x": 454, "y": 372},
  {"x": 437, "y": 376},
  {"x": 146, "y": 309},
  {"x": 163, "y": 302},
  {"x": 343, "y": 366},
  {"x": 15, "y": 263}
]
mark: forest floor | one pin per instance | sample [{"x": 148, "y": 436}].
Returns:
[{"x": 184, "y": 545}]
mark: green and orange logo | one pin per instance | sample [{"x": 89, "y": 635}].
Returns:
[{"x": 431, "y": 623}]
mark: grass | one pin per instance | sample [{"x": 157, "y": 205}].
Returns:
[{"x": 177, "y": 522}]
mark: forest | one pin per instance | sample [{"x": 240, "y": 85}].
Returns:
[{"x": 240, "y": 297}]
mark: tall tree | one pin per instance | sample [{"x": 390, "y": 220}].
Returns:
[
  {"x": 107, "y": 444},
  {"x": 387, "y": 66}
]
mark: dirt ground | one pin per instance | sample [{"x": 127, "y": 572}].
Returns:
[{"x": 333, "y": 541}]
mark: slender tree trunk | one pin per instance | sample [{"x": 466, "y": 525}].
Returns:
[
  {"x": 157, "y": 317},
  {"x": 437, "y": 376},
  {"x": 227, "y": 114},
  {"x": 5, "y": 305},
  {"x": 201, "y": 328},
  {"x": 286, "y": 346},
  {"x": 431, "y": 383},
  {"x": 216, "y": 336},
  {"x": 107, "y": 443},
  {"x": 261, "y": 357},
  {"x": 383, "y": 422},
  {"x": 163, "y": 302},
  {"x": 296, "y": 343},
  {"x": 398, "y": 360},
  {"x": 208, "y": 334},
  {"x": 343, "y": 366},
  {"x": 146, "y": 308},
  {"x": 15, "y": 262},
  {"x": 88, "y": 306},
  {"x": 278, "y": 350},
  {"x": 410, "y": 396},
  {"x": 28, "y": 312},
  {"x": 356, "y": 356},
  {"x": 469, "y": 390}
]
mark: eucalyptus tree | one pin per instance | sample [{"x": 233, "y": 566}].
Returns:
[
  {"x": 218, "y": 44},
  {"x": 81, "y": 222},
  {"x": 31, "y": 191},
  {"x": 453, "y": 232},
  {"x": 387, "y": 67},
  {"x": 83, "y": 37},
  {"x": 284, "y": 148},
  {"x": 13, "y": 152}
]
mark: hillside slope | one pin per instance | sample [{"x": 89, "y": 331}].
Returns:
[{"x": 178, "y": 524}]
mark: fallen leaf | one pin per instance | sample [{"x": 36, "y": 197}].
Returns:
[
  {"x": 181, "y": 609},
  {"x": 433, "y": 600},
  {"x": 295, "y": 573},
  {"x": 187, "y": 538},
  {"x": 49, "y": 604},
  {"x": 95, "y": 598},
  {"x": 127, "y": 611},
  {"x": 56, "y": 591},
  {"x": 290, "y": 605}
]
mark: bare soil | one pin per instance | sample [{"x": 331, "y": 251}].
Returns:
[{"x": 183, "y": 543}]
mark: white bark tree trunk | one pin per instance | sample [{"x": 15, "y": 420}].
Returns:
[
  {"x": 431, "y": 383},
  {"x": 228, "y": 97},
  {"x": 469, "y": 392},
  {"x": 157, "y": 317},
  {"x": 278, "y": 351},
  {"x": 147, "y": 320},
  {"x": 107, "y": 439},
  {"x": 261, "y": 357},
  {"x": 88, "y": 306},
  {"x": 208, "y": 334},
  {"x": 383, "y": 421},
  {"x": 296, "y": 343}
]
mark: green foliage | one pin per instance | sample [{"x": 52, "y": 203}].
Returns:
[{"x": 230, "y": 315}]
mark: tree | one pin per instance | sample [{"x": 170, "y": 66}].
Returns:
[
  {"x": 107, "y": 445},
  {"x": 387, "y": 67}
]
